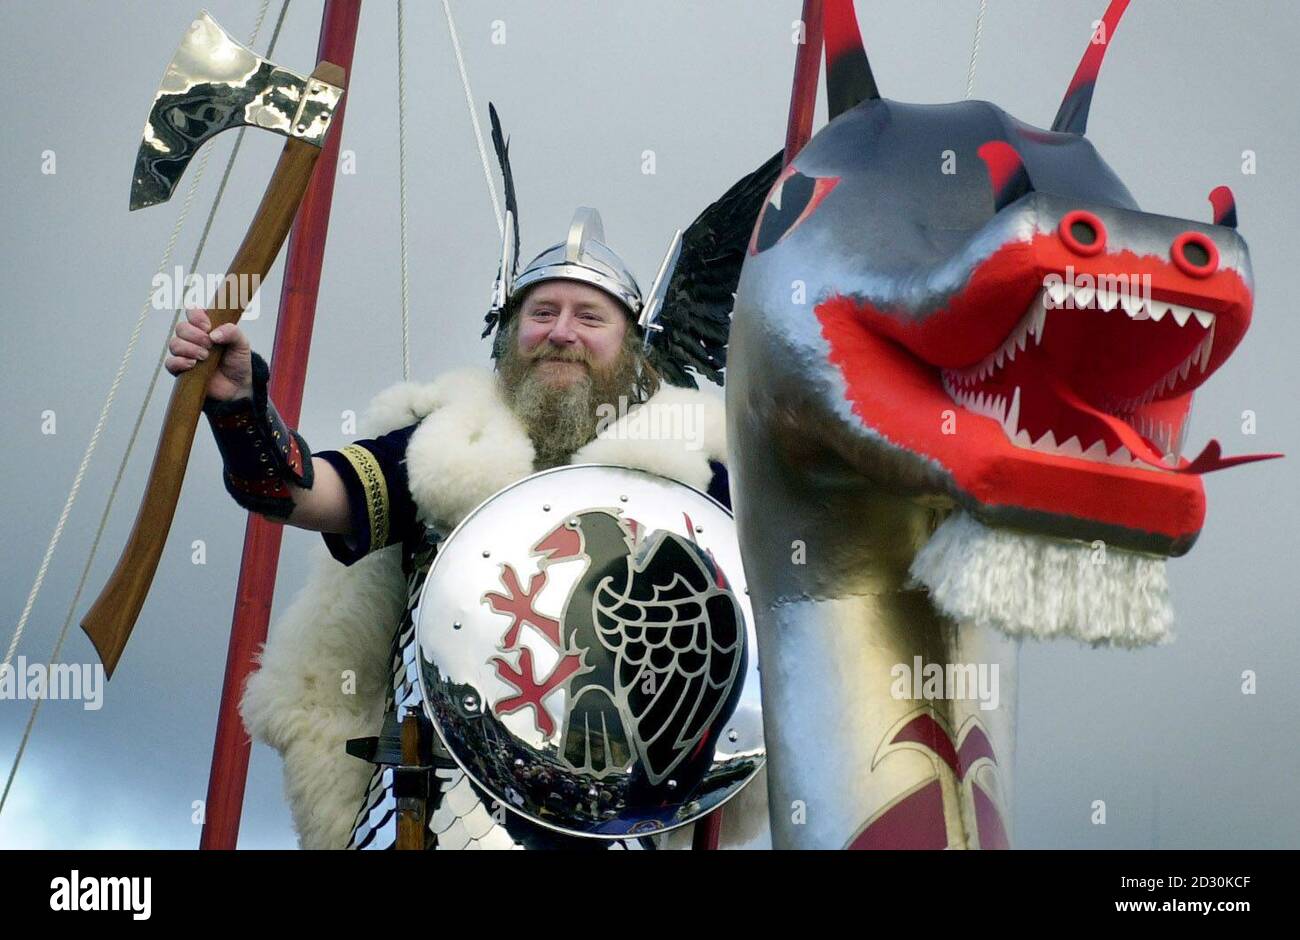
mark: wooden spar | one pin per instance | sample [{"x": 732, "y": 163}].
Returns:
[
  {"x": 261, "y": 557},
  {"x": 807, "y": 71}
]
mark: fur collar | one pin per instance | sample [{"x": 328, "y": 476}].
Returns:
[
  {"x": 469, "y": 444},
  {"x": 324, "y": 671}
]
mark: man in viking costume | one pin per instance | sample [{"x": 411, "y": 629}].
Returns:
[{"x": 571, "y": 348}]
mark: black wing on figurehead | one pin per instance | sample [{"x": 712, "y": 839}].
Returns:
[{"x": 696, "y": 316}]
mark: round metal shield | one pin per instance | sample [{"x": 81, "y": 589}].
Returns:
[{"x": 587, "y": 652}]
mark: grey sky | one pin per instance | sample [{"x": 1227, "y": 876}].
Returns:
[{"x": 1165, "y": 737}]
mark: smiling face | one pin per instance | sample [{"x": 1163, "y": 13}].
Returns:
[
  {"x": 1016, "y": 285},
  {"x": 570, "y": 349},
  {"x": 567, "y": 328}
]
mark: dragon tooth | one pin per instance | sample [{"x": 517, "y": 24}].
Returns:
[
  {"x": 1132, "y": 305},
  {"x": 1158, "y": 312},
  {"x": 1204, "y": 318},
  {"x": 998, "y": 359},
  {"x": 1072, "y": 447},
  {"x": 1011, "y": 421},
  {"x": 1056, "y": 292},
  {"x": 1022, "y": 439},
  {"x": 1122, "y": 457},
  {"x": 1185, "y": 368},
  {"x": 1106, "y": 298},
  {"x": 1083, "y": 297},
  {"x": 1047, "y": 442},
  {"x": 1181, "y": 314},
  {"x": 1097, "y": 451}
]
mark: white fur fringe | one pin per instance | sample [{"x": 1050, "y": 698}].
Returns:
[{"x": 1032, "y": 586}]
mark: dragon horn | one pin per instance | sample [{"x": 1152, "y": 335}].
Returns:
[
  {"x": 848, "y": 73},
  {"x": 1072, "y": 118}
]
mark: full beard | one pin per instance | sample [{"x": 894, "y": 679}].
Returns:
[{"x": 560, "y": 418}]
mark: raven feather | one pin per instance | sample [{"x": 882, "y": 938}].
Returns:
[{"x": 696, "y": 316}]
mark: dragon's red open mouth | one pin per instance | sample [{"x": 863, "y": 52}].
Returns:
[
  {"x": 1088, "y": 415},
  {"x": 1097, "y": 374}
]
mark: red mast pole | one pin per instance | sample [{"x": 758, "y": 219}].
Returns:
[
  {"x": 807, "y": 71},
  {"x": 261, "y": 558}
]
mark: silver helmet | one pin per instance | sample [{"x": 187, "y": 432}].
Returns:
[{"x": 585, "y": 257}]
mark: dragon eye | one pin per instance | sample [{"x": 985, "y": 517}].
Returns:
[
  {"x": 1083, "y": 233},
  {"x": 792, "y": 199},
  {"x": 1195, "y": 254}
]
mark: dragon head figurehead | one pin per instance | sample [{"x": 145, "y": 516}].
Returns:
[{"x": 1008, "y": 326}]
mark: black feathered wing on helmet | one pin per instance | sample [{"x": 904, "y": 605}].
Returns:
[
  {"x": 696, "y": 313},
  {"x": 508, "y": 267}
]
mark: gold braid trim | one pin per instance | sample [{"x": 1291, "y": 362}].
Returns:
[{"x": 376, "y": 489}]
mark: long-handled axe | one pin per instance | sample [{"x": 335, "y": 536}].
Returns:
[{"x": 212, "y": 84}]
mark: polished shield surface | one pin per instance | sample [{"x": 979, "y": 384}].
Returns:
[{"x": 587, "y": 652}]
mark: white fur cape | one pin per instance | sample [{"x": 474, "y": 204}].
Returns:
[{"x": 468, "y": 446}]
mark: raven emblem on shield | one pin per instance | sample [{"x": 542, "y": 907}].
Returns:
[{"x": 651, "y": 642}]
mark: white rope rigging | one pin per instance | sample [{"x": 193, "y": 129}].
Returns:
[
  {"x": 473, "y": 116},
  {"x": 195, "y": 179},
  {"x": 401, "y": 185},
  {"x": 975, "y": 48}
]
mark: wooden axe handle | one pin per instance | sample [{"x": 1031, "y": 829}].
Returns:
[{"x": 112, "y": 617}]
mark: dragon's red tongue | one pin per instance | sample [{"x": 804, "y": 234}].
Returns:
[{"x": 1207, "y": 461}]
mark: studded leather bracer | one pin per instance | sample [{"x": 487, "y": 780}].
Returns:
[{"x": 262, "y": 455}]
